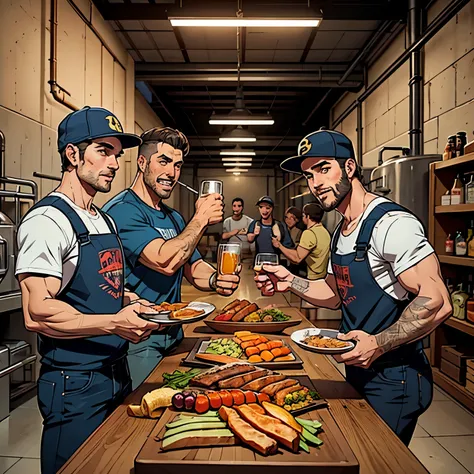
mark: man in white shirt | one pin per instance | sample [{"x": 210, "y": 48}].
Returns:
[
  {"x": 235, "y": 227},
  {"x": 70, "y": 268},
  {"x": 384, "y": 275}
]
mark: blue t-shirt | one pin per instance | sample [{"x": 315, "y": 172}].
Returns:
[
  {"x": 138, "y": 224},
  {"x": 263, "y": 241}
]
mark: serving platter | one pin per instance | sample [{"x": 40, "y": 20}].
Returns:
[
  {"x": 201, "y": 345},
  {"x": 299, "y": 336},
  {"x": 272, "y": 327},
  {"x": 164, "y": 319}
]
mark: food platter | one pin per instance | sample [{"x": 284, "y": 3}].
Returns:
[
  {"x": 229, "y": 327},
  {"x": 165, "y": 317},
  {"x": 300, "y": 336}
]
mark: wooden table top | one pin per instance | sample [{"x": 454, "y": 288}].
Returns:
[{"x": 112, "y": 448}]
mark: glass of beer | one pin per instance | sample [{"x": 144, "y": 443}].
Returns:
[
  {"x": 264, "y": 259},
  {"x": 228, "y": 257},
  {"x": 211, "y": 187}
]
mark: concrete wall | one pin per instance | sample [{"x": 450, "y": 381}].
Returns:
[
  {"x": 448, "y": 91},
  {"x": 29, "y": 115}
]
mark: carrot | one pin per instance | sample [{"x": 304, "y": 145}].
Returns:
[
  {"x": 262, "y": 347},
  {"x": 238, "y": 397},
  {"x": 276, "y": 352},
  {"x": 284, "y": 358},
  {"x": 263, "y": 338},
  {"x": 244, "y": 345},
  {"x": 250, "y": 397},
  {"x": 255, "y": 359},
  {"x": 263, "y": 397},
  {"x": 215, "y": 400},
  {"x": 250, "y": 351},
  {"x": 267, "y": 356},
  {"x": 285, "y": 351},
  {"x": 275, "y": 344},
  {"x": 237, "y": 340},
  {"x": 227, "y": 399},
  {"x": 249, "y": 338},
  {"x": 202, "y": 404}
]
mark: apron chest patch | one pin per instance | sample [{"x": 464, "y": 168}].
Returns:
[
  {"x": 343, "y": 279},
  {"x": 111, "y": 265}
]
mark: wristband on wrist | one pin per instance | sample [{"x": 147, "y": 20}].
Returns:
[{"x": 213, "y": 281}]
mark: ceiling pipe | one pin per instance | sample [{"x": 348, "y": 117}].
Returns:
[
  {"x": 316, "y": 107},
  {"x": 449, "y": 12}
]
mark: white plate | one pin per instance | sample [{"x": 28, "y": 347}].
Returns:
[
  {"x": 164, "y": 319},
  {"x": 302, "y": 334}
]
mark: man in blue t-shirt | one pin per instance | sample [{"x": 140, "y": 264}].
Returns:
[
  {"x": 267, "y": 228},
  {"x": 159, "y": 247}
]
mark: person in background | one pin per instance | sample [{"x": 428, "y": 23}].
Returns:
[
  {"x": 314, "y": 245},
  {"x": 159, "y": 247},
  {"x": 70, "y": 268},
  {"x": 266, "y": 228},
  {"x": 235, "y": 228},
  {"x": 293, "y": 222}
]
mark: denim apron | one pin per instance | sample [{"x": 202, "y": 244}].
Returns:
[
  {"x": 83, "y": 380},
  {"x": 399, "y": 384}
]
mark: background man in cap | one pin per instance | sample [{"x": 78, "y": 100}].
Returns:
[
  {"x": 70, "y": 268},
  {"x": 159, "y": 247},
  {"x": 385, "y": 276},
  {"x": 263, "y": 230}
]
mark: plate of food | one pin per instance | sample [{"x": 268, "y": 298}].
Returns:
[
  {"x": 240, "y": 315},
  {"x": 323, "y": 341},
  {"x": 171, "y": 314}
]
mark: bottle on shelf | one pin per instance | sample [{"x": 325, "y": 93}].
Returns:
[
  {"x": 469, "y": 190},
  {"x": 461, "y": 141},
  {"x": 460, "y": 249},
  {"x": 457, "y": 191},
  {"x": 459, "y": 299},
  {"x": 449, "y": 245},
  {"x": 470, "y": 301},
  {"x": 470, "y": 240},
  {"x": 449, "y": 286},
  {"x": 451, "y": 147}
]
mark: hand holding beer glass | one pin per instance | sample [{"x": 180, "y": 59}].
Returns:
[
  {"x": 211, "y": 187},
  {"x": 228, "y": 258},
  {"x": 264, "y": 259}
]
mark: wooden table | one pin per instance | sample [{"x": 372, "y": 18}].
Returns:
[{"x": 113, "y": 447}]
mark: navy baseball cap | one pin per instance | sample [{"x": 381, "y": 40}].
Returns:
[
  {"x": 90, "y": 123},
  {"x": 323, "y": 143},
  {"x": 265, "y": 200}
]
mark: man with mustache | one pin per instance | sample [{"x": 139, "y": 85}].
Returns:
[
  {"x": 235, "y": 227},
  {"x": 159, "y": 247},
  {"x": 70, "y": 268},
  {"x": 382, "y": 273}
]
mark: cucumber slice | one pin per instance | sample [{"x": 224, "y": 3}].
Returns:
[
  {"x": 216, "y": 425},
  {"x": 208, "y": 414},
  {"x": 312, "y": 424},
  {"x": 311, "y": 438},
  {"x": 190, "y": 421},
  {"x": 191, "y": 439},
  {"x": 310, "y": 429},
  {"x": 304, "y": 446}
]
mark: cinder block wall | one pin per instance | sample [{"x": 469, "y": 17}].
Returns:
[{"x": 448, "y": 91}]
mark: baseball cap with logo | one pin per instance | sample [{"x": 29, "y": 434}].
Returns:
[
  {"x": 320, "y": 144},
  {"x": 265, "y": 200},
  {"x": 90, "y": 123}
]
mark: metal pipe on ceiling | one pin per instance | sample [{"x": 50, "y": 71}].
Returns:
[
  {"x": 316, "y": 107},
  {"x": 360, "y": 148},
  {"x": 449, "y": 12}
]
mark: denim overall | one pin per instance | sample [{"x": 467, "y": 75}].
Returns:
[
  {"x": 398, "y": 385},
  {"x": 83, "y": 380}
]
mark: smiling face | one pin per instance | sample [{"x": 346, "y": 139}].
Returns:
[
  {"x": 162, "y": 171},
  {"x": 328, "y": 182},
  {"x": 99, "y": 163},
  {"x": 265, "y": 211},
  {"x": 237, "y": 208},
  {"x": 290, "y": 220}
]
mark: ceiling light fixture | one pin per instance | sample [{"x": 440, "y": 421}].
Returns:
[
  {"x": 248, "y": 22},
  {"x": 237, "y": 151},
  {"x": 236, "y": 174},
  {"x": 233, "y": 158},
  {"x": 237, "y": 163},
  {"x": 238, "y": 134},
  {"x": 237, "y": 170}
]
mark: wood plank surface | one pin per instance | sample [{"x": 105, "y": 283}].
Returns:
[{"x": 113, "y": 447}]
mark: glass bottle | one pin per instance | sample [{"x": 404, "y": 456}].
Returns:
[
  {"x": 459, "y": 299},
  {"x": 470, "y": 240},
  {"x": 461, "y": 141},
  {"x": 449, "y": 245},
  {"x": 457, "y": 191},
  {"x": 460, "y": 249},
  {"x": 470, "y": 301},
  {"x": 469, "y": 190},
  {"x": 452, "y": 146}
]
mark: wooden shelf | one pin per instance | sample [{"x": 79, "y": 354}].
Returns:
[
  {"x": 462, "y": 261},
  {"x": 454, "y": 162},
  {"x": 461, "y": 325},
  {"x": 457, "y": 391},
  {"x": 454, "y": 208}
]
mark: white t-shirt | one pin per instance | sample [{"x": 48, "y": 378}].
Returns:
[
  {"x": 243, "y": 223},
  {"x": 47, "y": 243},
  {"x": 398, "y": 242}
]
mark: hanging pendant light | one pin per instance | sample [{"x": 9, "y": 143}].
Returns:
[{"x": 238, "y": 134}]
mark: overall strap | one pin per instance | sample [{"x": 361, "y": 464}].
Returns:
[
  {"x": 76, "y": 222},
  {"x": 335, "y": 237},
  {"x": 362, "y": 244},
  {"x": 108, "y": 220}
]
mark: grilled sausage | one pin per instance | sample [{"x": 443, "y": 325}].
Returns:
[
  {"x": 230, "y": 306},
  {"x": 238, "y": 307},
  {"x": 239, "y": 380},
  {"x": 280, "y": 396},
  {"x": 257, "y": 385},
  {"x": 277, "y": 386},
  {"x": 244, "y": 312}
]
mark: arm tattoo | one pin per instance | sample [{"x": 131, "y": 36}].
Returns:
[
  {"x": 413, "y": 324},
  {"x": 300, "y": 284},
  {"x": 189, "y": 238}
]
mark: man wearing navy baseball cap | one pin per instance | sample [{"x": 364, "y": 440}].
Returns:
[
  {"x": 382, "y": 273},
  {"x": 70, "y": 268}
]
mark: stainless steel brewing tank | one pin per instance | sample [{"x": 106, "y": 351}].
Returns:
[
  {"x": 8, "y": 252},
  {"x": 405, "y": 180}
]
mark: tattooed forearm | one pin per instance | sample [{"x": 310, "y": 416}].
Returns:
[
  {"x": 414, "y": 323},
  {"x": 300, "y": 285}
]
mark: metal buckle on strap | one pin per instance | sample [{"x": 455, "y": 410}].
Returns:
[
  {"x": 361, "y": 251},
  {"x": 84, "y": 239}
]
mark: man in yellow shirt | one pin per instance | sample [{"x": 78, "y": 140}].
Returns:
[{"x": 314, "y": 245}]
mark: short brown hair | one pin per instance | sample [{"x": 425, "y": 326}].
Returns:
[
  {"x": 65, "y": 163},
  {"x": 295, "y": 211},
  {"x": 163, "y": 135},
  {"x": 314, "y": 211}
]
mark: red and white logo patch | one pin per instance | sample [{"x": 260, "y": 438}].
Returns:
[{"x": 111, "y": 265}]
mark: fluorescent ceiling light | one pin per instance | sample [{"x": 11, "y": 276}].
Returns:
[
  {"x": 244, "y": 22},
  {"x": 233, "y": 158},
  {"x": 231, "y": 121},
  {"x": 243, "y": 139},
  {"x": 236, "y": 174},
  {"x": 237, "y": 170},
  {"x": 237, "y": 134},
  {"x": 237, "y": 153},
  {"x": 237, "y": 164}
]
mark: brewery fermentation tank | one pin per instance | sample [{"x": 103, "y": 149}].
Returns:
[{"x": 405, "y": 180}]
